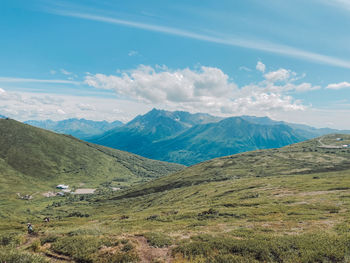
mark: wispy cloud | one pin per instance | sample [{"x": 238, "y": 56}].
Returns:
[
  {"x": 341, "y": 85},
  {"x": 343, "y": 4},
  {"x": 65, "y": 72},
  {"x": 133, "y": 53},
  {"x": 29, "y": 80},
  {"x": 224, "y": 40}
]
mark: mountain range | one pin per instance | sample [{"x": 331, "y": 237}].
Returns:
[
  {"x": 186, "y": 138},
  {"x": 80, "y": 128}
]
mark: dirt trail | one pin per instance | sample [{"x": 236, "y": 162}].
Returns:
[
  {"x": 149, "y": 254},
  {"x": 53, "y": 257},
  {"x": 322, "y": 145},
  {"x": 56, "y": 257}
]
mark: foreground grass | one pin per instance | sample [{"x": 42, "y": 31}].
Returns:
[{"x": 298, "y": 218}]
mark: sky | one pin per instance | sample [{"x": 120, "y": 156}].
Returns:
[{"x": 112, "y": 59}]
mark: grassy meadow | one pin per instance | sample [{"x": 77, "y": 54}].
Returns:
[{"x": 281, "y": 205}]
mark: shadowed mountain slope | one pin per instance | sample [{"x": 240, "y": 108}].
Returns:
[{"x": 229, "y": 136}]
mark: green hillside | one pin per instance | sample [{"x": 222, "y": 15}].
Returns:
[
  {"x": 302, "y": 158},
  {"x": 35, "y": 160},
  {"x": 280, "y": 205}
]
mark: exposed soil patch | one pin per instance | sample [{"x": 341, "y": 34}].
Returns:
[
  {"x": 49, "y": 194},
  {"x": 84, "y": 191},
  {"x": 148, "y": 253}
]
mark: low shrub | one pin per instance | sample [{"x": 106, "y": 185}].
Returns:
[
  {"x": 158, "y": 239},
  {"x": 10, "y": 239},
  {"x": 124, "y": 241},
  {"x": 85, "y": 232},
  {"x": 119, "y": 257},
  {"x": 11, "y": 255},
  {"x": 77, "y": 214},
  {"x": 49, "y": 238},
  {"x": 127, "y": 247},
  {"x": 35, "y": 245},
  {"x": 208, "y": 214},
  {"x": 80, "y": 248},
  {"x": 317, "y": 247}
]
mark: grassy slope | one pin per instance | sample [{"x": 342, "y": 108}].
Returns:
[
  {"x": 51, "y": 158},
  {"x": 301, "y": 158},
  {"x": 33, "y": 161},
  {"x": 280, "y": 205}
]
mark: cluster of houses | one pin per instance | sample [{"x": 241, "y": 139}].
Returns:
[{"x": 64, "y": 189}]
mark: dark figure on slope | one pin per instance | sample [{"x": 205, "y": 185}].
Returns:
[{"x": 30, "y": 228}]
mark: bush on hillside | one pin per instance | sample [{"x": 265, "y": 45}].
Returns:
[
  {"x": 11, "y": 255},
  {"x": 158, "y": 239},
  {"x": 80, "y": 248},
  {"x": 306, "y": 248},
  {"x": 10, "y": 239}
]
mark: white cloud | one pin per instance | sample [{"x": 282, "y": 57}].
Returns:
[
  {"x": 60, "y": 111},
  {"x": 47, "y": 100},
  {"x": 261, "y": 67},
  {"x": 148, "y": 85},
  {"x": 341, "y": 85},
  {"x": 342, "y": 4},
  {"x": 86, "y": 107},
  {"x": 305, "y": 87},
  {"x": 65, "y": 72},
  {"x": 277, "y": 76},
  {"x": 133, "y": 53},
  {"x": 207, "y": 89},
  {"x": 30, "y": 80},
  {"x": 70, "y": 75},
  {"x": 244, "y": 68},
  {"x": 41, "y": 106}
]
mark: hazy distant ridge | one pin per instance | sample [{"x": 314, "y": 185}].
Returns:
[{"x": 80, "y": 128}]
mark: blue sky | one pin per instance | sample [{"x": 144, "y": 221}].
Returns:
[{"x": 289, "y": 60}]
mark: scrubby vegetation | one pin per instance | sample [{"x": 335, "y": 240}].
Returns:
[
  {"x": 282, "y": 205},
  {"x": 12, "y": 255},
  {"x": 158, "y": 239},
  {"x": 316, "y": 247}
]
